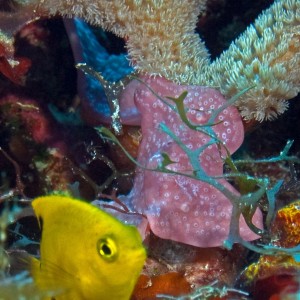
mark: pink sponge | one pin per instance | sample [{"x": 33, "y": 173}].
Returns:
[{"x": 179, "y": 208}]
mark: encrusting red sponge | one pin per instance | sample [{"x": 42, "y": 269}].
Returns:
[{"x": 177, "y": 207}]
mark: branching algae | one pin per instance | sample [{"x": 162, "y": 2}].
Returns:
[{"x": 242, "y": 204}]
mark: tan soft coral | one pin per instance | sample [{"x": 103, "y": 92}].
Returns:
[
  {"x": 267, "y": 57},
  {"x": 161, "y": 39},
  {"x": 160, "y": 34}
]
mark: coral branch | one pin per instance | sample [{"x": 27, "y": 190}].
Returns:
[
  {"x": 265, "y": 55},
  {"x": 160, "y": 35}
]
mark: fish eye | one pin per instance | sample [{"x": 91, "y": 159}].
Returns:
[{"x": 107, "y": 249}]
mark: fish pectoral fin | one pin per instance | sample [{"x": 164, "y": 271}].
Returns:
[{"x": 49, "y": 278}]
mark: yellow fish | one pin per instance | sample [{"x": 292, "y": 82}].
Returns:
[{"x": 85, "y": 253}]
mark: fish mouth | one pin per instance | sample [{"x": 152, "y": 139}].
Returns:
[{"x": 141, "y": 254}]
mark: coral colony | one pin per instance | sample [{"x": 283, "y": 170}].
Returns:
[
  {"x": 161, "y": 40},
  {"x": 188, "y": 127}
]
